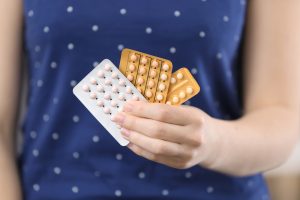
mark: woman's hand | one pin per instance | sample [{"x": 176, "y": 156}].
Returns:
[{"x": 171, "y": 135}]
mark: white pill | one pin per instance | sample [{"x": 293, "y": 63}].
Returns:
[
  {"x": 133, "y": 57},
  {"x": 100, "y": 88},
  {"x": 140, "y": 80},
  {"x": 165, "y": 67},
  {"x": 100, "y": 103},
  {"x": 159, "y": 97},
  {"x": 85, "y": 88},
  {"x": 189, "y": 90},
  {"x": 121, "y": 82},
  {"x": 107, "y": 82},
  {"x": 161, "y": 87},
  {"x": 135, "y": 98},
  {"x": 131, "y": 67},
  {"x": 113, "y": 103},
  {"x": 182, "y": 95},
  {"x": 179, "y": 76},
  {"x": 121, "y": 96},
  {"x": 163, "y": 77},
  {"x": 152, "y": 73},
  {"x": 100, "y": 74},
  {"x": 114, "y": 75},
  {"x": 114, "y": 89},
  {"x": 128, "y": 90},
  {"x": 173, "y": 80},
  {"x": 106, "y": 110},
  {"x": 150, "y": 83},
  {"x": 169, "y": 103},
  {"x": 107, "y": 96},
  {"x": 93, "y": 95},
  {"x": 107, "y": 67},
  {"x": 175, "y": 99},
  {"x": 142, "y": 70},
  {"x": 93, "y": 81},
  {"x": 148, "y": 93},
  {"x": 130, "y": 77},
  {"x": 144, "y": 60},
  {"x": 154, "y": 63}
]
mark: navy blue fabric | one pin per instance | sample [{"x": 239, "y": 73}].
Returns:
[{"x": 67, "y": 154}]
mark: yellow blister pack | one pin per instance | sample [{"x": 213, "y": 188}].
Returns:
[
  {"x": 151, "y": 75},
  {"x": 183, "y": 87}
]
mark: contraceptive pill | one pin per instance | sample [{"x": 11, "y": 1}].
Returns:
[{"x": 104, "y": 91}]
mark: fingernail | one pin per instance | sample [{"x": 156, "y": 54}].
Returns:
[
  {"x": 129, "y": 145},
  {"x": 125, "y": 132},
  {"x": 118, "y": 118},
  {"x": 128, "y": 107}
]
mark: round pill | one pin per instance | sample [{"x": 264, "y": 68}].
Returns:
[
  {"x": 133, "y": 57},
  {"x": 150, "y": 83},
  {"x": 135, "y": 98},
  {"x": 161, "y": 87},
  {"x": 148, "y": 93},
  {"x": 169, "y": 103},
  {"x": 107, "y": 96},
  {"x": 93, "y": 81},
  {"x": 114, "y": 75},
  {"x": 189, "y": 90},
  {"x": 106, "y": 110},
  {"x": 130, "y": 77},
  {"x": 144, "y": 60},
  {"x": 93, "y": 95},
  {"x": 152, "y": 73},
  {"x": 128, "y": 90},
  {"x": 85, "y": 88},
  {"x": 131, "y": 67},
  {"x": 100, "y": 103},
  {"x": 100, "y": 88},
  {"x": 121, "y": 82},
  {"x": 159, "y": 97},
  {"x": 154, "y": 63},
  {"x": 163, "y": 77},
  {"x": 182, "y": 95},
  {"x": 121, "y": 96},
  {"x": 175, "y": 99},
  {"x": 113, "y": 103},
  {"x": 140, "y": 80},
  {"x": 114, "y": 89},
  {"x": 107, "y": 67},
  {"x": 173, "y": 80},
  {"x": 179, "y": 76},
  {"x": 165, "y": 67},
  {"x": 142, "y": 70},
  {"x": 100, "y": 74},
  {"x": 107, "y": 82}
]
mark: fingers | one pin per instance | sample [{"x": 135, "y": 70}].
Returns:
[{"x": 179, "y": 115}]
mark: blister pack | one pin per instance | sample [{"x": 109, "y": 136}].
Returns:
[
  {"x": 150, "y": 74},
  {"x": 183, "y": 87},
  {"x": 103, "y": 92}
]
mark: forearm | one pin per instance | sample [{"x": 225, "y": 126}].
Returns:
[{"x": 260, "y": 140}]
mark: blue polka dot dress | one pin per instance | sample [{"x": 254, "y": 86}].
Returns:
[{"x": 67, "y": 154}]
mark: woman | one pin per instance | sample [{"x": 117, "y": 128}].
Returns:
[{"x": 244, "y": 121}]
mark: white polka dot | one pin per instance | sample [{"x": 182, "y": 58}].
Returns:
[
  {"x": 209, "y": 189},
  {"x": 243, "y": 2},
  {"x": 95, "y": 28},
  {"x": 70, "y": 9},
  {"x": 46, "y": 29},
  {"x": 123, "y": 11},
  {"x": 97, "y": 173},
  {"x": 36, "y": 187},
  {"x": 142, "y": 175},
  {"x": 96, "y": 138},
  {"x": 70, "y": 46},
  {"x": 118, "y": 193},
  {"x": 30, "y": 13},
  {"x": 53, "y": 65},
  {"x": 225, "y": 18},
  {"x": 188, "y": 175},
  {"x": 119, "y": 156},
  {"x": 55, "y": 100},
  {"x": 76, "y": 155},
  {"x": 120, "y": 47},
  {"x": 35, "y": 152},
  {"x": 33, "y": 134},
  {"x": 57, "y": 170},
  {"x": 46, "y": 117},
  {"x": 194, "y": 70},
  {"x": 148, "y": 30},
  {"x": 165, "y": 192},
  {"x": 219, "y": 55},
  {"x": 95, "y": 64},
  {"x": 202, "y": 34},
  {"x": 75, "y": 189},
  {"x": 40, "y": 83},
  {"x": 177, "y": 13},
  {"x": 265, "y": 197},
  {"x": 55, "y": 136},
  {"x": 204, "y": 0},
  {"x": 236, "y": 38},
  {"x": 172, "y": 50},
  {"x": 73, "y": 83},
  {"x": 37, "y": 48},
  {"x": 75, "y": 118}
]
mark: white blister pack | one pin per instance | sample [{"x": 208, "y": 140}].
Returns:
[{"x": 103, "y": 92}]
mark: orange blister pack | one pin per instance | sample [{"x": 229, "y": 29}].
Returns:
[
  {"x": 151, "y": 75},
  {"x": 182, "y": 88}
]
